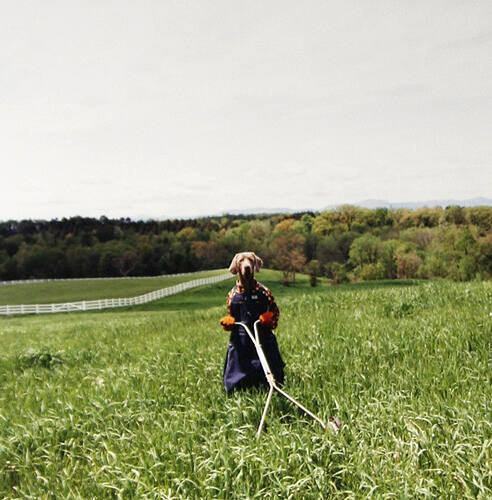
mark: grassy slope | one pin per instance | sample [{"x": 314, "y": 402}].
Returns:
[
  {"x": 70, "y": 291},
  {"x": 198, "y": 299},
  {"x": 131, "y": 402}
]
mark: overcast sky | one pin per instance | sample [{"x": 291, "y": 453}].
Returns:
[{"x": 174, "y": 109}]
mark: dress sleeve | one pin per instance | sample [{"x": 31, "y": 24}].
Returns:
[
  {"x": 229, "y": 300},
  {"x": 272, "y": 307}
]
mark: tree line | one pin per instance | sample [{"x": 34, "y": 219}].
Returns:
[{"x": 346, "y": 244}]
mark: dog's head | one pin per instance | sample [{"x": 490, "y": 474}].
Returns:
[{"x": 246, "y": 264}]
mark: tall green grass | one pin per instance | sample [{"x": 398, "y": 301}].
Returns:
[{"x": 130, "y": 403}]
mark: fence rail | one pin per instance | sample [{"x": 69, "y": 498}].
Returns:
[
  {"x": 49, "y": 280},
  {"x": 89, "y": 305}
]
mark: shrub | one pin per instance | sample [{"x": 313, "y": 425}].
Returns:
[
  {"x": 338, "y": 273},
  {"x": 372, "y": 272},
  {"x": 407, "y": 265},
  {"x": 313, "y": 269}
]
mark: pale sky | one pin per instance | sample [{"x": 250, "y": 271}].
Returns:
[{"x": 174, "y": 109}]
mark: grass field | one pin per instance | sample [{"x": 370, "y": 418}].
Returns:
[
  {"x": 71, "y": 291},
  {"x": 130, "y": 403}
]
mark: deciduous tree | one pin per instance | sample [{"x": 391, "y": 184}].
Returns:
[{"x": 288, "y": 255}]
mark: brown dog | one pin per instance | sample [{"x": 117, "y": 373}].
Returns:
[{"x": 245, "y": 264}]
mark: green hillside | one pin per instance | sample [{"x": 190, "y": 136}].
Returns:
[
  {"x": 70, "y": 291},
  {"x": 130, "y": 403}
]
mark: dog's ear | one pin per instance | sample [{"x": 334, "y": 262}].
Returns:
[
  {"x": 233, "y": 267},
  {"x": 258, "y": 263}
]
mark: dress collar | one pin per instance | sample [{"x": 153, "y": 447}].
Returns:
[{"x": 254, "y": 286}]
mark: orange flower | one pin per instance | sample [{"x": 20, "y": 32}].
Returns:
[
  {"x": 267, "y": 319},
  {"x": 227, "y": 322}
]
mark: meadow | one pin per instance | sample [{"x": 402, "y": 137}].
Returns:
[
  {"x": 90, "y": 289},
  {"x": 130, "y": 403}
]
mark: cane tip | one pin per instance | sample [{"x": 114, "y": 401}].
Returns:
[{"x": 334, "y": 424}]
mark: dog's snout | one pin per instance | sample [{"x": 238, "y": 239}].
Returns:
[{"x": 247, "y": 269}]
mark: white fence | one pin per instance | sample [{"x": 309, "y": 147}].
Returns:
[
  {"x": 21, "y": 282},
  {"x": 88, "y": 305}
]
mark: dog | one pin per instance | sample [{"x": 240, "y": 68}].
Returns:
[{"x": 248, "y": 301}]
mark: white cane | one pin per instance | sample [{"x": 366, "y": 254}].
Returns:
[{"x": 271, "y": 380}]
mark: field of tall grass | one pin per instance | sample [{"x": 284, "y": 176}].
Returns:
[{"x": 130, "y": 403}]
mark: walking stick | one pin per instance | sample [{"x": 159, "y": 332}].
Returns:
[{"x": 272, "y": 383}]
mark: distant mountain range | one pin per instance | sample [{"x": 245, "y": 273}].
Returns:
[{"x": 472, "y": 202}]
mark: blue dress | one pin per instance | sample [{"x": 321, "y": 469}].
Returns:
[{"x": 242, "y": 368}]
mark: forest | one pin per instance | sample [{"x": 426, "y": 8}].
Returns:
[{"x": 345, "y": 244}]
